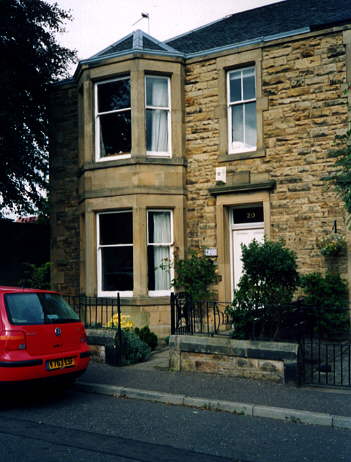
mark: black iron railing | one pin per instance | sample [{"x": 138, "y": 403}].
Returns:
[
  {"x": 323, "y": 333},
  {"x": 97, "y": 312},
  {"x": 200, "y": 317}
]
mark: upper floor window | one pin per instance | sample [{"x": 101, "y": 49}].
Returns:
[
  {"x": 242, "y": 110},
  {"x": 115, "y": 253},
  {"x": 113, "y": 119},
  {"x": 157, "y": 104}
]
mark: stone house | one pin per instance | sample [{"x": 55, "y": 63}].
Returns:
[{"x": 205, "y": 141}]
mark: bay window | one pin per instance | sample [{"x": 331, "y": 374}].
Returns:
[
  {"x": 160, "y": 238},
  {"x": 113, "y": 118},
  {"x": 242, "y": 110},
  {"x": 157, "y": 105},
  {"x": 115, "y": 253}
]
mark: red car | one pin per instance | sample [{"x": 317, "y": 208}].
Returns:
[{"x": 41, "y": 337}]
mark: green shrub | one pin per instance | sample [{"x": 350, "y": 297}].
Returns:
[
  {"x": 36, "y": 276},
  {"x": 134, "y": 350},
  {"x": 268, "y": 282},
  {"x": 328, "y": 298},
  {"x": 194, "y": 276},
  {"x": 147, "y": 336}
]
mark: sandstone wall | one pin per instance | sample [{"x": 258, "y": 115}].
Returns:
[
  {"x": 65, "y": 236},
  {"x": 304, "y": 108}
]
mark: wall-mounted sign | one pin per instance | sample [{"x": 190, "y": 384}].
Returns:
[{"x": 210, "y": 252}]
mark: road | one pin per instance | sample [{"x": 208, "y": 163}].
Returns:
[{"x": 79, "y": 427}]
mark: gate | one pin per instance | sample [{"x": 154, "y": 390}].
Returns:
[
  {"x": 325, "y": 363},
  {"x": 200, "y": 317},
  {"x": 326, "y": 347}
]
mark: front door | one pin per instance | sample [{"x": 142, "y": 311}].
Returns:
[{"x": 247, "y": 225}]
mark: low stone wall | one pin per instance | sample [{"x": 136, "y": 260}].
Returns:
[
  {"x": 102, "y": 343},
  {"x": 274, "y": 361}
]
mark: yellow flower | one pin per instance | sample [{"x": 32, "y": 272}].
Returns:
[{"x": 126, "y": 322}]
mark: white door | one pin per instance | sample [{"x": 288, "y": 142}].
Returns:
[{"x": 243, "y": 236}]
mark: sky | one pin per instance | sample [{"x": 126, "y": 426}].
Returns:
[{"x": 99, "y": 23}]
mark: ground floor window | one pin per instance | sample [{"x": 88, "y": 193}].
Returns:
[
  {"x": 159, "y": 251},
  {"x": 118, "y": 246},
  {"x": 115, "y": 253}
]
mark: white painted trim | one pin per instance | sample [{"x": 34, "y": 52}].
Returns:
[
  {"x": 100, "y": 292},
  {"x": 240, "y": 227},
  {"x": 160, "y": 293},
  {"x": 97, "y": 115},
  {"x": 231, "y": 150},
  {"x": 169, "y": 116}
]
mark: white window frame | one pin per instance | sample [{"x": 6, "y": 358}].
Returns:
[
  {"x": 98, "y": 157},
  {"x": 242, "y": 103},
  {"x": 102, "y": 293},
  {"x": 170, "y": 245},
  {"x": 167, "y": 153}
]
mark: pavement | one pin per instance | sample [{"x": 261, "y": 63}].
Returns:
[{"x": 152, "y": 381}]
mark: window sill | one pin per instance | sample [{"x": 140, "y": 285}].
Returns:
[
  {"x": 135, "y": 160},
  {"x": 241, "y": 155},
  {"x": 113, "y": 158}
]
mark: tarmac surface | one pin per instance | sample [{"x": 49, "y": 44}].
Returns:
[{"x": 152, "y": 381}]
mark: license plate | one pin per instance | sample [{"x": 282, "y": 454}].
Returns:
[{"x": 60, "y": 363}]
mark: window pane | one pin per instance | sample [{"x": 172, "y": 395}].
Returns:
[
  {"x": 250, "y": 124},
  {"x": 252, "y": 214},
  {"x": 117, "y": 268},
  {"x": 116, "y": 228},
  {"x": 158, "y": 268},
  {"x": 57, "y": 309},
  {"x": 235, "y": 86},
  {"x": 157, "y": 91},
  {"x": 32, "y": 308},
  {"x": 24, "y": 309},
  {"x": 237, "y": 124},
  {"x": 156, "y": 130},
  {"x": 115, "y": 133},
  {"x": 114, "y": 95},
  {"x": 249, "y": 84},
  {"x": 159, "y": 224}
]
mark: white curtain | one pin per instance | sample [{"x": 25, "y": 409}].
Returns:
[
  {"x": 158, "y": 118},
  {"x": 162, "y": 234}
]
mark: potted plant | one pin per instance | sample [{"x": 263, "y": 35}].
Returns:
[{"x": 332, "y": 245}]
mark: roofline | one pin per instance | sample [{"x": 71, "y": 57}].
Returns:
[
  {"x": 198, "y": 54},
  {"x": 133, "y": 51},
  {"x": 136, "y": 35},
  {"x": 109, "y": 47},
  {"x": 219, "y": 20},
  {"x": 263, "y": 38}
]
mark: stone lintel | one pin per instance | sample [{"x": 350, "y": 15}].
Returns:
[{"x": 247, "y": 187}]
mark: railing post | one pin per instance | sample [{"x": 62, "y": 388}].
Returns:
[
  {"x": 119, "y": 332},
  {"x": 172, "y": 314}
]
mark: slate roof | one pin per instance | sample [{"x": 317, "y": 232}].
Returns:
[
  {"x": 135, "y": 42},
  {"x": 287, "y": 17},
  {"x": 269, "y": 20}
]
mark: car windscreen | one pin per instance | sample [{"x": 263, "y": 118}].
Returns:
[{"x": 38, "y": 308}]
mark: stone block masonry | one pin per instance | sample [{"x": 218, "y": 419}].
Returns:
[
  {"x": 272, "y": 361},
  {"x": 302, "y": 83},
  {"x": 65, "y": 233}
]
